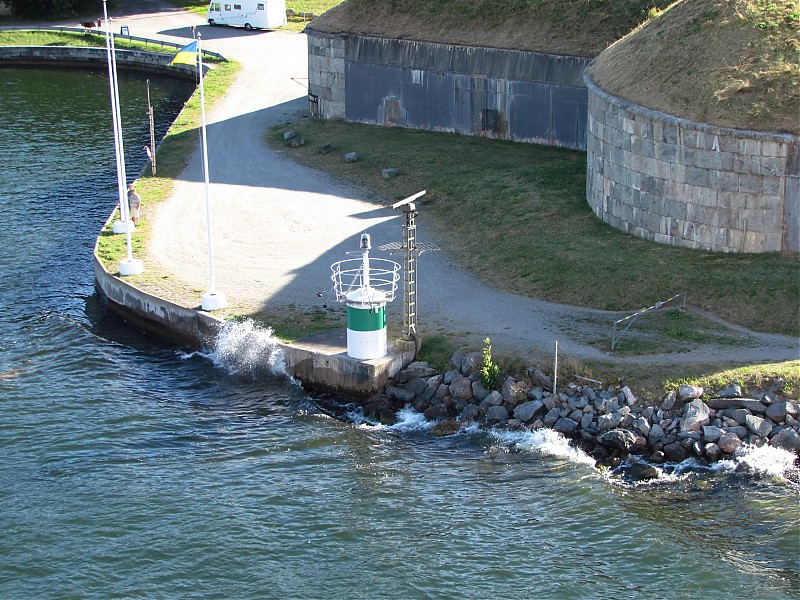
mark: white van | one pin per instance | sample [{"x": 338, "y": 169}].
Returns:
[{"x": 252, "y": 14}]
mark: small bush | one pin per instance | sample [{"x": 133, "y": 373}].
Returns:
[{"x": 490, "y": 371}]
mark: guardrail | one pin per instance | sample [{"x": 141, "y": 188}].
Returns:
[
  {"x": 632, "y": 317},
  {"x": 135, "y": 38}
]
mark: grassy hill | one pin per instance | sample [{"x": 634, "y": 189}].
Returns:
[
  {"x": 572, "y": 27},
  {"x": 733, "y": 63}
]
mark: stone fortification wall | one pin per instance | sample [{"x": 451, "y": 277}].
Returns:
[
  {"x": 65, "y": 56},
  {"x": 505, "y": 94},
  {"x": 688, "y": 184}
]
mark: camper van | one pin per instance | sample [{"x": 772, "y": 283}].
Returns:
[{"x": 252, "y": 14}]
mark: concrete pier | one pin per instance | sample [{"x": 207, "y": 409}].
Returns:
[{"x": 320, "y": 362}]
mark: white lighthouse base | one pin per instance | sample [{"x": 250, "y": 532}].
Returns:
[{"x": 365, "y": 345}]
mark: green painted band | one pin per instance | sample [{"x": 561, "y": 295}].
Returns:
[{"x": 362, "y": 319}]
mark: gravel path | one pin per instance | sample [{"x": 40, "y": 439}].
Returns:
[{"x": 278, "y": 226}]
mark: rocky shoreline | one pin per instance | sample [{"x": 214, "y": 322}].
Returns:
[{"x": 609, "y": 423}]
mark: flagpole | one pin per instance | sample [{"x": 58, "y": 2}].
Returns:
[
  {"x": 119, "y": 227},
  {"x": 129, "y": 266},
  {"x": 212, "y": 299}
]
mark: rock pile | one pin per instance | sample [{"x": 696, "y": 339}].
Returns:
[{"x": 609, "y": 423}]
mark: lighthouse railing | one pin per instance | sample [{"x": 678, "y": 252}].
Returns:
[{"x": 348, "y": 276}]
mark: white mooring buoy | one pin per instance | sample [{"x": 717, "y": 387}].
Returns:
[{"x": 365, "y": 286}]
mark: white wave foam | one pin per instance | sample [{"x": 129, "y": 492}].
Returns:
[
  {"x": 408, "y": 419},
  {"x": 545, "y": 441},
  {"x": 246, "y": 348},
  {"x": 764, "y": 459}
]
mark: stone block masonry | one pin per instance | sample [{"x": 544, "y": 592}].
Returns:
[
  {"x": 490, "y": 92},
  {"x": 689, "y": 184}
]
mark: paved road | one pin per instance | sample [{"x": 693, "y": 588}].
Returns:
[{"x": 279, "y": 226}]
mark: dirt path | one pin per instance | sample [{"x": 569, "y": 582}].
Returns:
[{"x": 279, "y": 226}]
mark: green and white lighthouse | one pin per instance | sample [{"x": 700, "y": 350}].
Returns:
[{"x": 365, "y": 286}]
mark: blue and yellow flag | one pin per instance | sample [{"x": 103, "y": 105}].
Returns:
[{"x": 185, "y": 56}]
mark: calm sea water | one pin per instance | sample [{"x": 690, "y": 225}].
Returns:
[{"x": 131, "y": 469}]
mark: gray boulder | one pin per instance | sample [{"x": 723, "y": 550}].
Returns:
[
  {"x": 528, "y": 410},
  {"x": 400, "y": 394},
  {"x": 542, "y": 380},
  {"x": 733, "y": 390},
  {"x": 630, "y": 399},
  {"x": 711, "y": 433},
  {"x": 450, "y": 376},
  {"x": 738, "y": 414},
  {"x": 675, "y": 452},
  {"x": 655, "y": 435},
  {"x": 565, "y": 426},
  {"x": 421, "y": 369},
  {"x": 552, "y": 416},
  {"x": 461, "y": 388},
  {"x": 689, "y": 392},
  {"x": 760, "y": 427},
  {"x": 471, "y": 412},
  {"x": 478, "y": 391},
  {"x": 586, "y": 421},
  {"x": 748, "y": 403},
  {"x": 642, "y": 472},
  {"x": 493, "y": 399},
  {"x": 729, "y": 442},
  {"x": 513, "y": 391},
  {"x": 712, "y": 452},
  {"x": 416, "y": 385},
  {"x": 777, "y": 412},
  {"x": 788, "y": 439},
  {"x": 669, "y": 401},
  {"x": 643, "y": 426},
  {"x": 695, "y": 415},
  {"x": 624, "y": 440},
  {"x": 471, "y": 362},
  {"x": 608, "y": 421},
  {"x": 351, "y": 157},
  {"x": 436, "y": 412},
  {"x": 497, "y": 413}
]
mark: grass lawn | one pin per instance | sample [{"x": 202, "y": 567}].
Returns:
[{"x": 516, "y": 215}]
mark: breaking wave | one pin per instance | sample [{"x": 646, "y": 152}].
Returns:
[
  {"x": 545, "y": 441},
  {"x": 766, "y": 460},
  {"x": 246, "y": 348}
]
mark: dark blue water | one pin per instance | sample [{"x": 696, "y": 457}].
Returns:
[{"x": 131, "y": 469}]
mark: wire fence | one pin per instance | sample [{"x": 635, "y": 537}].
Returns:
[
  {"x": 615, "y": 337},
  {"x": 162, "y": 43}
]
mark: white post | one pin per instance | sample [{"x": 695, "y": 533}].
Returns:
[
  {"x": 129, "y": 266},
  {"x": 555, "y": 370},
  {"x": 120, "y": 226},
  {"x": 212, "y": 299}
]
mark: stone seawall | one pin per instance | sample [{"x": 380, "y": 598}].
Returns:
[
  {"x": 490, "y": 92},
  {"x": 689, "y": 184},
  {"x": 609, "y": 422},
  {"x": 65, "y": 56}
]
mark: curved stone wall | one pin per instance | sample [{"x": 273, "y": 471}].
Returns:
[
  {"x": 67, "y": 56},
  {"x": 682, "y": 183},
  {"x": 491, "y": 92}
]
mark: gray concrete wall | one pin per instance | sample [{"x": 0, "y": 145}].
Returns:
[
  {"x": 504, "y": 94},
  {"x": 66, "y": 56},
  {"x": 689, "y": 184}
]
